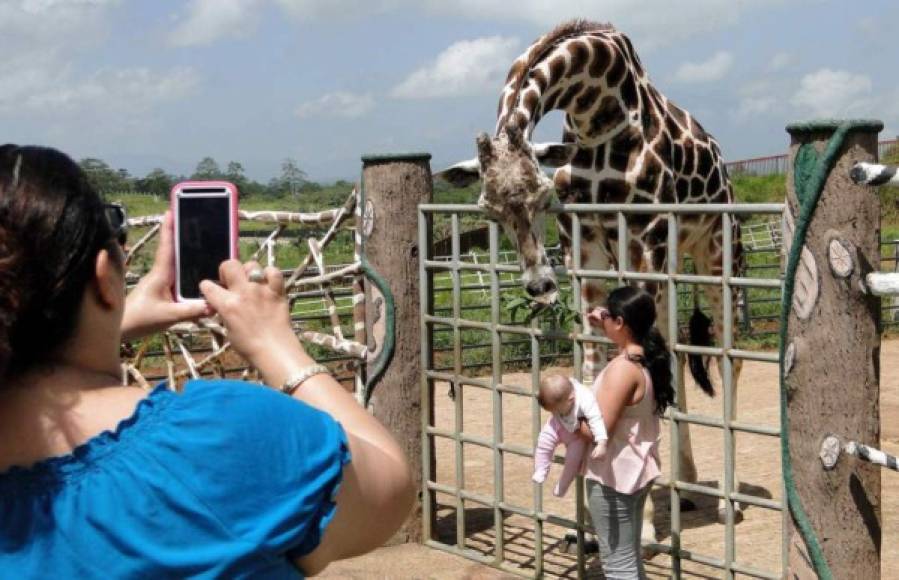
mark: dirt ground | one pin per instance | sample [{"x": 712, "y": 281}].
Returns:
[{"x": 758, "y": 536}]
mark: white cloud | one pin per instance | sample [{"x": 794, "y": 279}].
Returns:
[
  {"x": 781, "y": 61},
  {"x": 41, "y": 40},
  {"x": 755, "y": 106},
  {"x": 706, "y": 71},
  {"x": 310, "y": 9},
  {"x": 337, "y": 104},
  {"x": 45, "y": 6},
  {"x": 651, "y": 23},
  {"x": 210, "y": 20},
  {"x": 830, "y": 93},
  {"x": 123, "y": 91},
  {"x": 656, "y": 23},
  {"x": 467, "y": 67}
]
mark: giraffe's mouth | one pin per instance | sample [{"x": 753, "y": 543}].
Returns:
[
  {"x": 547, "y": 299},
  {"x": 543, "y": 288}
]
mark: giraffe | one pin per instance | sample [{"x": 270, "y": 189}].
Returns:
[{"x": 622, "y": 142}]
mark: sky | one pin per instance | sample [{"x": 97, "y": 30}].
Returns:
[{"x": 164, "y": 83}]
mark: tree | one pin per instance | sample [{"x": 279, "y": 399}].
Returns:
[
  {"x": 103, "y": 177},
  {"x": 275, "y": 187},
  {"x": 235, "y": 171},
  {"x": 292, "y": 177},
  {"x": 207, "y": 168},
  {"x": 235, "y": 174},
  {"x": 157, "y": 182}
]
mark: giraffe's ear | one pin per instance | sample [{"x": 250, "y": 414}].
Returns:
[
  {"x": 461, "y": 174},
  {"x": 554, "y": 154}
]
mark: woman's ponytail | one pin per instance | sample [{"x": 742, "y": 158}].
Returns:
[{"x": 657, "y": 359}]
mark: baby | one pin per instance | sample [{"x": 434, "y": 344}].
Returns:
[{"x": 568, "y": 401}]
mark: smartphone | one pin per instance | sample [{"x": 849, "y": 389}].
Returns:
[{"x": 206, "y": 234}]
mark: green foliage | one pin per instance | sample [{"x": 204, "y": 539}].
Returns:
[
  {"x": 759, "y": 189},
  {"x": 891, "y": 155},
  {"x": 292, "y": 177},
  {"x": 446, "y": 193},
  {"x": 104, "y": 178},
  {"x": 207, "y": 168},
  {"x": 157, "y": 182},
  {"x": 558, "y": 315}
]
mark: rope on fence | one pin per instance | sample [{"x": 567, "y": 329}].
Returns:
[{"x": 872, "y": 455}]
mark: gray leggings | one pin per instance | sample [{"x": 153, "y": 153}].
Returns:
[{"x": 618, "y": 521}]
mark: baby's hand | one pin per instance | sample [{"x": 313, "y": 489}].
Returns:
[{"x": 599, "y": 450}]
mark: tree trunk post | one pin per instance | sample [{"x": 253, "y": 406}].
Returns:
[
  {"x": 830, "y": 356},
  {"x": 393, "y": 186}
]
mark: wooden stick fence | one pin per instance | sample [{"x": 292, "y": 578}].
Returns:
[{"x": 178, "y": 341}]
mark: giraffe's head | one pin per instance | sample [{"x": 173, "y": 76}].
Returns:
[{"x": 516, "y": 193}]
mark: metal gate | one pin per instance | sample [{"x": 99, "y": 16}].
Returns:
[{"x": 474, "y": 453}]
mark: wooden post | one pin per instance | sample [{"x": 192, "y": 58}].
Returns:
[
  {"x": 832, "y": 355},
  {"x": 393, "y": 186}
]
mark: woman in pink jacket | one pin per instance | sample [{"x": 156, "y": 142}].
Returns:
[{"x": 633, "y": 391}]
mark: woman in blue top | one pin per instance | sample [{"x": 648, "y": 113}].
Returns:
[{"x": 225, "y": 479}]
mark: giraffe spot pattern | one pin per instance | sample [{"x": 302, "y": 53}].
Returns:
[
  {"x": 569, "y": 95},
  {"x": 556, "y": 69},
  {"x": 601, "y": 58},
  {"x": 616, "y": 71},
  {"x": 579, "y": 54},
  {"x": 613, "y": 190},
  {"x": 608, "y": 115},
  {"x": 648, "y": 179},
  {"x": 600, "y": 161},
  {"x": 583, "y": 159},
  {"x": 586, "y": 100}
]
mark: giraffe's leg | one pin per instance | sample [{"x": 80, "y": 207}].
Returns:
[
  {"x": 593, "y": 294},
  {"x": 709, "y": 262}
]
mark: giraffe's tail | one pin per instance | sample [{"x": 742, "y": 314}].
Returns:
[{"x": 700, "y": 336}]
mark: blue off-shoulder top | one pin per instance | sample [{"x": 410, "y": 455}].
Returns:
[{"x": 224, "y": 480}]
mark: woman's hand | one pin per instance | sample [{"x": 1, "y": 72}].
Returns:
[
  {"x": 150, "y": 306},
  {"x": 256, "y": 315},
  {"x": 597, "y": 315}
]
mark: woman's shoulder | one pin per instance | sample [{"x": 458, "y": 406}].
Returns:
[
  {"x": 242, "y": 406},
  {"x": 622, "y": 373},
  {"x": 626, "y": 364}
]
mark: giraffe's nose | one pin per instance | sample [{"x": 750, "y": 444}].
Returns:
[{"x": 540, "y": 287}]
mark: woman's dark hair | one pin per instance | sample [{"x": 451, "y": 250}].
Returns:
[
  {"x": 52, "y": 224},
  {"x": 638, "y": 310}
]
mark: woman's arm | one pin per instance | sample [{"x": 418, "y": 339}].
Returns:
[
  {"x": 376, "y": 493},
  {"x": 150, "y": 307}
]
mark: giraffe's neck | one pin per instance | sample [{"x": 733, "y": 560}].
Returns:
[
  {"x": 594, "y": 77},
  {"x": 634, "y": 146}
]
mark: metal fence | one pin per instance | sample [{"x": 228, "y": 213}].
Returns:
[
  {"x": 777, "y": 164},
  {"x": 459, "y": 494}
]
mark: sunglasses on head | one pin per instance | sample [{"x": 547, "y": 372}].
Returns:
[{"x": 118, "y": 221}]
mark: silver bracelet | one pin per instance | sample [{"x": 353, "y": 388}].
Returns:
[{"x": 294, "y": 381}]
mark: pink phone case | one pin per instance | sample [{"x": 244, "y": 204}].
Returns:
[{"x": 233, "y": 198}]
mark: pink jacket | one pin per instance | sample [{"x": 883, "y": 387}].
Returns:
[
  {"x": 552, "y": 434},
  {"x": 561, "y": 429}
]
